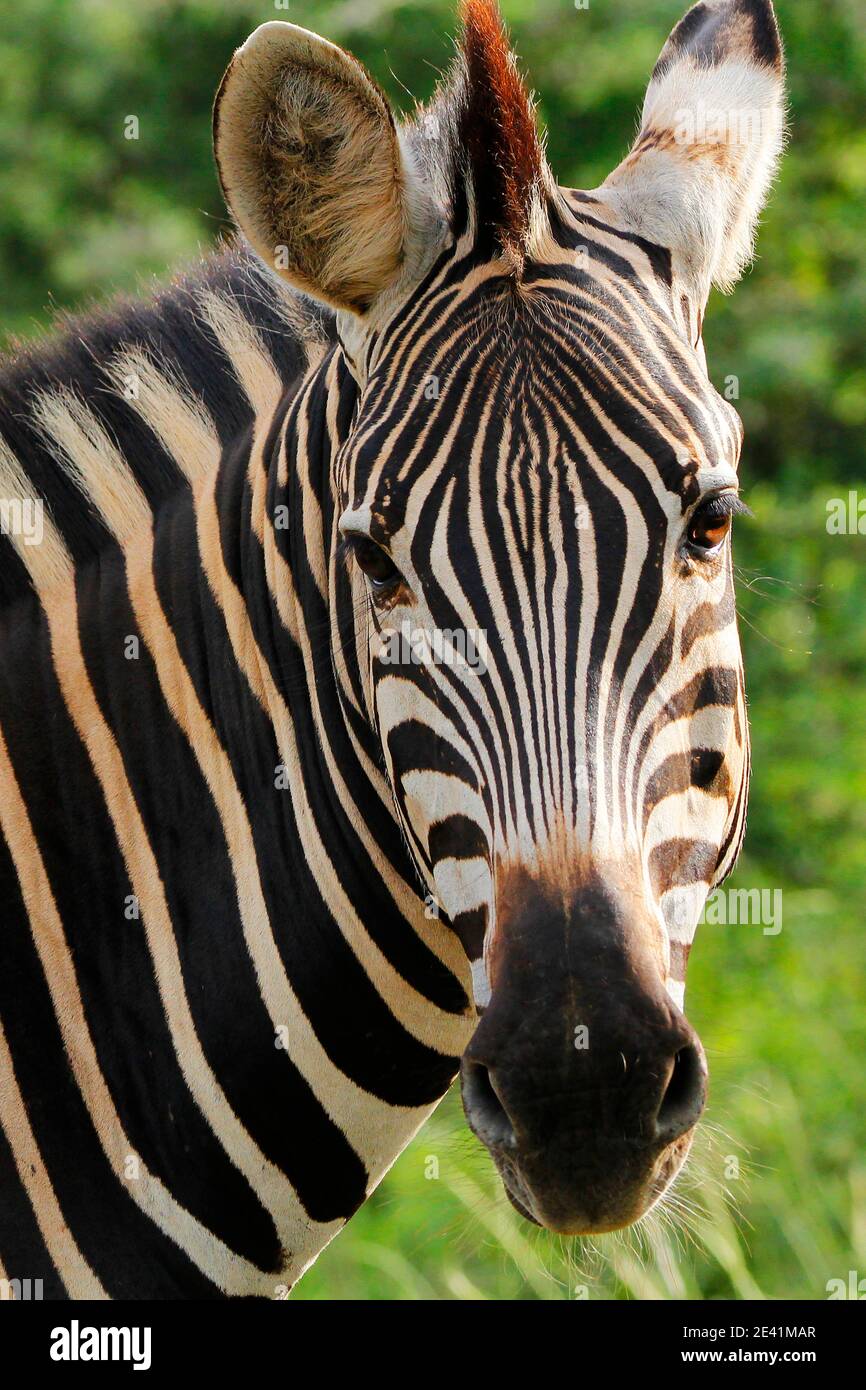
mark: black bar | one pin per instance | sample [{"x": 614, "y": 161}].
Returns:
[{"x": 256, "y": 1339}]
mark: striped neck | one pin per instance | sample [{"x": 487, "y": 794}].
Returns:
[{"x": 257, "y": 1013}]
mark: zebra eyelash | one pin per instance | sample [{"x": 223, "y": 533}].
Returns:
[
  {"x": 710, "y": 511},
  {"x": 722, "y": 504},
  {"x": 719, "y": 505},
  {"x": 716, "y": 506}
]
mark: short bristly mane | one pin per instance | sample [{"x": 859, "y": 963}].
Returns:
[
  {"x": 158, "y": 382},
  {"x": 478, "y": 141}
]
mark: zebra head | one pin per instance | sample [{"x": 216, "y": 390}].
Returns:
[{"x": 533, "y": 497}]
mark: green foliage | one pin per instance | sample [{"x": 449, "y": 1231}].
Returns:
[{"x": 85, "y": 211}]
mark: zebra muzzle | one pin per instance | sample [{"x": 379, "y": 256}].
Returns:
[{"x": 583, "y": 1079}]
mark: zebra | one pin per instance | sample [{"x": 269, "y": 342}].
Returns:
[{"x": 371, "y": 697}]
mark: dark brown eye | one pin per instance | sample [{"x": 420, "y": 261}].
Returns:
[
  {"x": 711, "y": 522},
  {"x": 375, "y": 562}
]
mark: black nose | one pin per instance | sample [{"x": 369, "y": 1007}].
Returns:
[
  {"x": 670, "y": 1104},
  {"x": 485, "y": 1112},
  {"x": 684, "y": 1095}
]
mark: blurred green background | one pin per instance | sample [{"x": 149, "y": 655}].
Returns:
[{"x": 773, "y": 1203}]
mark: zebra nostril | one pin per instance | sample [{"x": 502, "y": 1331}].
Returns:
[
  {"x": 485, "y": 1112},
  {"x": 684, "y": 1095}
]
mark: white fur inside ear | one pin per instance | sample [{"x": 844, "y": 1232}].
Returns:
[{"x": 700, "y": 170}]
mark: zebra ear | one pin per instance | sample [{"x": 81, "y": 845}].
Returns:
[
  {"x": 311, "y": 166},
  {"x": 711, "y": 133}
]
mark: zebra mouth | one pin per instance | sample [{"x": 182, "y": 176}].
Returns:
[
  {"x": 519, "y": 1206},
  {"x": 586, "y": 1132},
  {"x": 520, "y": 1196}
]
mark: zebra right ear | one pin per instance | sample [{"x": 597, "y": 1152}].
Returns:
[
  {"x": 312, "y": 168},
  {"x": 711, "y": 134}
]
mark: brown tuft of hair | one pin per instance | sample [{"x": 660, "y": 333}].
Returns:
[{"x": 496, "y": 129}]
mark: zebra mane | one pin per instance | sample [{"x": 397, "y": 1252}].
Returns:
[
  {"x": 478, "y": 140},
  {"x": 69, "y": 399}
]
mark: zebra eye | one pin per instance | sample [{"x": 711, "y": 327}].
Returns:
[
  {"x": 711, "y": 522},
  {"x": 375, "y": 562}
]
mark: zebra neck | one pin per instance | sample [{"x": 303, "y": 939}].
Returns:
[{"x": 243, "y": 1012}]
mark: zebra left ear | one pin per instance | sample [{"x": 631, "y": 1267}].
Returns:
[
  {"x": 313, "y": 168},
  {"x": 711, "y": 134}
]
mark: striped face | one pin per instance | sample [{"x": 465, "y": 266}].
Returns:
[
  {"x": 534, "y": 504},
  {"x": 539, "y": 532}
]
